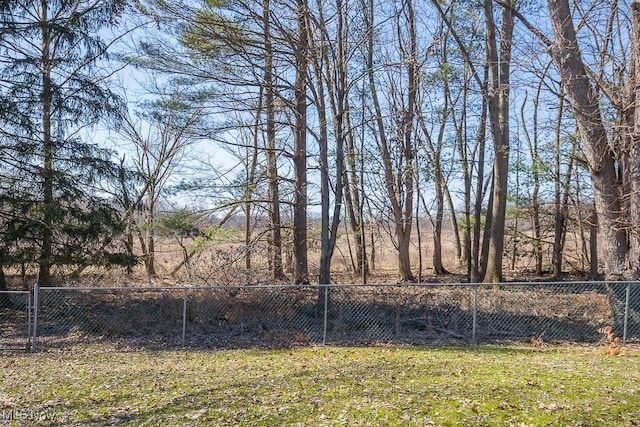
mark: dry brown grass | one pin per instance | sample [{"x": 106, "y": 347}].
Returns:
[{"x": 224, "y": 264}]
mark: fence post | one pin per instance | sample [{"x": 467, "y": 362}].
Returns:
[
  {"x": 29, "y": 319},
  {"x": 326, "y": 311},
  {"x": 626, "y": 313},
  {"x": 184, "y": 316},
  {"x": 474, "y": 338},
  {"x": 36, "y": 304}
]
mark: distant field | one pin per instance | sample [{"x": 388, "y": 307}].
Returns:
[{"x": 331, "y": 386}]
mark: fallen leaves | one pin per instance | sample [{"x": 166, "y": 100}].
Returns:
[{"x": 328, "y": 386}]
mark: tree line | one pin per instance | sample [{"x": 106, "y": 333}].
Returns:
[{"x": 483, "y": 113}]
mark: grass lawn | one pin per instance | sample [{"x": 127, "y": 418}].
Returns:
[{"x": 331, "y": 386}]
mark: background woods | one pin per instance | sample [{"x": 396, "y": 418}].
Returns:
[{"x": 319, "y": 141}]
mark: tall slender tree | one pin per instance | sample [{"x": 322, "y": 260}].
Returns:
[
  {"x": 300, "y": 200},
  {"x": 472, "y": 157},
  {"x": 396, "y": 140},
  {"x": 275, "y": 225},
  {"x": 499, "y": 62}
]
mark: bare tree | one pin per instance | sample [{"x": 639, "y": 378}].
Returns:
[
  {"x": 612, "y": 152},
  {"x": 275, "y": 226},
  {"x": 499, "y": 60},
  {"x": 396, "y": 147},
  {"x": 432, "y": 141},
  {"x": 473, "y": 157},
  {"x": 613, "y": 159},
  {"x": 532, "y": 143},
  {"x": 331, "y": 68},
  {"x": 562, "y": 191},
  {"x": 301, "y": 52},
  {"x": 160, "y": 138}
]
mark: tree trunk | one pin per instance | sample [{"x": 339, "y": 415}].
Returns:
[
  {"x": 301, "y": 272},
  {"x": 409, "y": 118},
  {"x": 149, "y": 261},
  {"x": 433, "y": 149},
  {"x": 352, "y": 192},
  {"x": 337, "y": 91},
  {"x": 498, "y": 95},
  {"x": 532, "y": 142},
  {"x": 561, "y": 199},
  {"x": 455, "y": 227},
  {"x": 372, "y": 240},
  {"x": 150, "y": 244},
  {"x": 585, "y": 107},
  {"x": 46, "y": 251},
  {"x": 487, "y": 229},
  {"x": 275, "y": 226},
  {"x": 462, "y": 244},
  {"x": 250, "y": 185},
  {"x": 5, "y": 301},
  {"x": 418, "y": 228},
  {"x": 128, "y": 219},
  {"x": 327, "y": 239},
  {"x": 353, "y": 211},
  {"x": 476, "y": 264},
  {"x": 475, "y": 245},
  {"x": 593, "y": 245},
  {"x": 438, "y": 267},
  {"x": 633, "y": 126},
  {"x": 247, "y": 234},
  {"x": 401, "y": 198},
  {"x": 129, "y": 245}
]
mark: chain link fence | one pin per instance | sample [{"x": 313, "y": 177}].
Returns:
[
  {"x": 15, "y": 320},
  {"x": 279, "y": 316}
]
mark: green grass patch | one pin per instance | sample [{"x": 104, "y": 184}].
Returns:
[{"x": 332, "y": 386}]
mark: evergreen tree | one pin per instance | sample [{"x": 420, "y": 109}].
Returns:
[{"x": 54, "y": 86}]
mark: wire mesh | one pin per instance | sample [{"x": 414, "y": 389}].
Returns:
[
  {"x": 280, "y": 316},
  {"x": 551, "y": 312},
  {"x": 126, "y": 316},
  {"x": 400, "y": 313},
  {"x": 626, "y": 304},
  {"x": 253, "y": 316},
  {"x": 14, "y": 320}
]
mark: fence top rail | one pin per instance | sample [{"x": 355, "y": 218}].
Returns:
[
  {"x": 330, "y": 286},
  {"x": 15, "y": 292}
]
